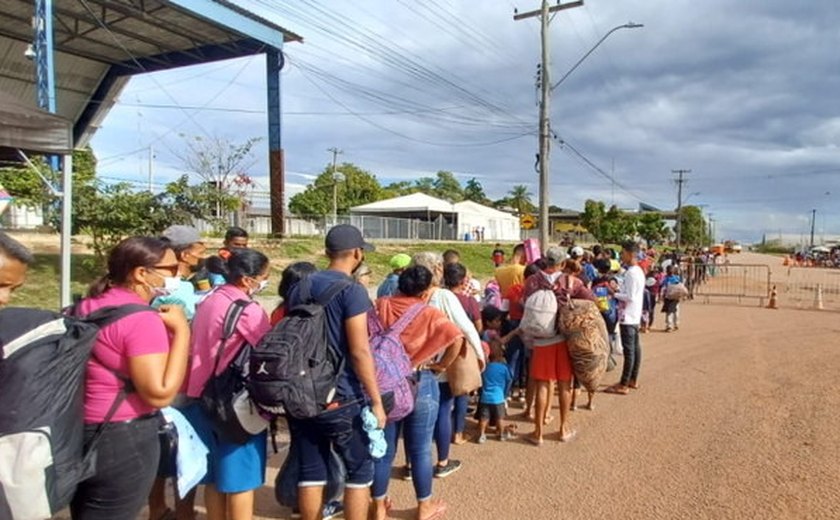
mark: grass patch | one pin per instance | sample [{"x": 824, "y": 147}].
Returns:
[{"x": 42, "y": 286}]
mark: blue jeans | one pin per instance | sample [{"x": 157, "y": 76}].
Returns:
[
  {"x": 417, "y": 429},
  {"x": 459, "y": 414},
  {"x": 515, "y": 355},
  {"x": 443, "y": 426}
]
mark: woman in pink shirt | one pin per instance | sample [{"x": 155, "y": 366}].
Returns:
[
  {"x": 137, "y": 366},
  {"x": 234, "y": 470}
]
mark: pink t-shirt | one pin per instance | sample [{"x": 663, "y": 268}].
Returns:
[
  {"x": 135, "y": 335},
  {"x": 207, "y": 334}
]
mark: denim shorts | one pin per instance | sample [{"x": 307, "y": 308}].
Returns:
[{"x": 342, "y": 429}]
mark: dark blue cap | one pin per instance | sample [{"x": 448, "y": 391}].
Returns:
[{"x": 345, "y": 237}]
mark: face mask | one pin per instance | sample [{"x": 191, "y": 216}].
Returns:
[
  {"x": 171, "y": 284},
  {"x": 260, "y": 288}
]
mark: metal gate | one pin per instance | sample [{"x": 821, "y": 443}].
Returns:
[{"x": 735, "y": 281}]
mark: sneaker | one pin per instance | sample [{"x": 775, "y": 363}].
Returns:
[
  {"x": 407, "y": 473},
  {"x": 481, "y": 440},
  {"x": 444, "y": 471},
  {"x": 333, "y": 510}
]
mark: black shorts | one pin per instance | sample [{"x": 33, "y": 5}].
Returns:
[{"x": 494, "y": 412}]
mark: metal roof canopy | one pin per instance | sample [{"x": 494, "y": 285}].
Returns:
[
  {"x": 93, "y": 64},
  {"x": 97, "y": 45}
]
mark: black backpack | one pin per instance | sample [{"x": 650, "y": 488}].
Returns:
[
  {"x": 225, "y": 397},
  {"x": 294, "y": 369},
  {"x": 42, "y": 371}
]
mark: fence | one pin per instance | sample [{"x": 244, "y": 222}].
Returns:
[
  {"x": 738, "y": 281},
  {"x": 808, "y": 288}
]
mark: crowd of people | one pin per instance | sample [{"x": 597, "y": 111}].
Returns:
[{"x": 165, "y": 359}]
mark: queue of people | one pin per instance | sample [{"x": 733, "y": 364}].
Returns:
[{"x": 198, "y": 316}]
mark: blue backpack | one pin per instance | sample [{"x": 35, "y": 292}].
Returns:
[{"x": 607, "y": 305}]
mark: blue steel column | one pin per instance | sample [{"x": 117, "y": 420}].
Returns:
[
  {"x": 44, "y": 70},
  {"x": 276, "y": 167}
]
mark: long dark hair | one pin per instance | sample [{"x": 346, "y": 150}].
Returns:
[
  {"x": 243, "y": 263},
  {"x": 127, "y": 256},
  {"x": 292, "y": 275}
]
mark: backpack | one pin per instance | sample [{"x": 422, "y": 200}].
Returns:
[
  {"x": 606, "y": 304},
  {"x": 225, "y": 397},
  {"x": 540, "y": 317},
  {"x": 43, "y": 456},
  {"x": 294, "y": 369},
  {"x": 393, "y": 366},
  {"x": 676, "y": 291},
  {"x": 493, "y": 295}
]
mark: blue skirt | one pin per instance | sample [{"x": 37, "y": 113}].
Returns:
[{"x": 231, "y": 468}]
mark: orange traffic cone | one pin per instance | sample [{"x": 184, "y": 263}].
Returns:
[{"x": 773, "y": 299}]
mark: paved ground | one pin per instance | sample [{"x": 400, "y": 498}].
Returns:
[{"x": 736, "y": 418}]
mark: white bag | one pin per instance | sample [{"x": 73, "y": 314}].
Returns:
[{"x": 540, "y": 317}]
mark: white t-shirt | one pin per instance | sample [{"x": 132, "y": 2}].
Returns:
[{"x": 632, "y": 296}]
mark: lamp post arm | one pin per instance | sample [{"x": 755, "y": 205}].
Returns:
[{"x": 576, "y": 65}]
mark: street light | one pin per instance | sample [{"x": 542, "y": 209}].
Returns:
[
  {"x": 693, "y": 195},
  {"x": 629, "y": 25}
]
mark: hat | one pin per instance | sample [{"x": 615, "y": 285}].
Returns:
[
  {"x": 182, "y": 235},
  {"x": 400, "y": 261},
  {"x": 556, "y": 254},
  {"x": 345, "y": 237},
  {"x": 577, "y": 252}
]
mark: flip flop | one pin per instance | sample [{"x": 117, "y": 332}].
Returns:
[
  {"x": 617, "y": 390},
  {"x": 569, "y": 437},
  {"x": 438, "y": 513},
  {"x": 532, "y": 440},
  {"x": 633, "y": 386}
]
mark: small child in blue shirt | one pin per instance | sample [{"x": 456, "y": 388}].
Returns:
[
  {"x": 496, "y": 383},
  {"x": 671, "y": 307}
]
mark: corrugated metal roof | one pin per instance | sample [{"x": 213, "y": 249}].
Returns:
[{"x": 138, "y": 36}]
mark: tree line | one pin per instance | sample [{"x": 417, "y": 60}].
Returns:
[{"x": 612, "y": 226}]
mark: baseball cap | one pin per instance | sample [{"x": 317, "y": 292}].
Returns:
[
  {"x": 345, "y": 237},
  {"x": 577, "y": 252},
  {"x": 182, "y": 235},
  {"x": 400, "y": 261}
]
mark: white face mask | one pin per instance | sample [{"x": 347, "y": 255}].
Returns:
[
  {"x": 260, "y": 288},
  {"x": 171, "y": 284}
]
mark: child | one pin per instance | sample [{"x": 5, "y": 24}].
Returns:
[
  {"x": 496, "y": 382},
  {"x": 671, "y": 307}
]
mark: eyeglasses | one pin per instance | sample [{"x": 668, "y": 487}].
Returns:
[{"x": 171, "y": 270}]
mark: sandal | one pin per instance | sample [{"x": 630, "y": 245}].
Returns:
[
  {"x": 617, "y": 390},
  {"x": 534, "y": 441},
  {"x": 569, "y": 437}
]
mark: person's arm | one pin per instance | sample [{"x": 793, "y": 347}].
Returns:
[
  {"x": 158, "y": 377},
  {"x": 449, "y": 355},
  {"x": 362, "y": 363}
]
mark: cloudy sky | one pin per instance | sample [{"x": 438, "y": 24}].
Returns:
[{"x": 746, "y": 94}]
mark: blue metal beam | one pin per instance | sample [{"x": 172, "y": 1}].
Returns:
[
  {"x": 94, "y": 103},
  {"x": 228, "y": 15},
  {"x": 194, "y": 56},
  {"x": 44, "y": 60},
  {"x": 274, "y": 62}
]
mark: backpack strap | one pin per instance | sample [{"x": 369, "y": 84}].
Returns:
[
  {"x": 406, "y": 319},
  {"x": 305, "y": 291},
  {"x": 234, "y": 312}
]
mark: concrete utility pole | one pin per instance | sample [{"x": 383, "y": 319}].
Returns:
[
  {"x": 680, "y": 181},
  {"x": 335, "y": 151},
  {"x": 545, "y": 99},
  {"x": 813, "y": 222}
]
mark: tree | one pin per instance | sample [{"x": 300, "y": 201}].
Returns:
[
  {"x": 694, "y": 228},
  {"x": 617, "y": 226},
  {"x": 652, "y": 228},
  {"x": 397, "y": 189},
  {"x": 185, "y": 202},
  {"x": 447, "y": 187},
  {"x": 424, "y": 185},
  {"x": 593, "y": 218},
  {"x": 474, "y": 192},
  {"x": 519, "y": 198},
  {"x": 358, "y": 187}
]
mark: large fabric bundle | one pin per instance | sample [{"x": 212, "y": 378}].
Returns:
[{"x": 586, "y": 335}]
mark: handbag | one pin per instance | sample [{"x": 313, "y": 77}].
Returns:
[{"x": 464, "y": 374}]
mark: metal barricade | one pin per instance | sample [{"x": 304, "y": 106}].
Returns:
[
  {"x": 736, "y": 281},
  {"x": 809, "y": 288}
]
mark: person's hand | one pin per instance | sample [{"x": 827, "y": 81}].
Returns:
[
  {"x": 481, "y": 365},
  {"x": 174, "y": 318},
  {"x": 379, "y": 412}
]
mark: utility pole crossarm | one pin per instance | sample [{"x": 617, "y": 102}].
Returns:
[{"x": 553, "y": 9}]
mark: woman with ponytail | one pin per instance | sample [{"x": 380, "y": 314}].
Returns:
[
  {"x": 234, "y": 470},
  {"x": 139, "y": 360}
]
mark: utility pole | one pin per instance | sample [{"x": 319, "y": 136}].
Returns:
[
  {"x": 813, "y": 221},
  {"x": 335, "y": 151},
  {"x": 711, "y": 232},
  {"x": 680, "y": 181},
  {"x": 545, "y": 99},
  {"x": 151, "y": 169}
]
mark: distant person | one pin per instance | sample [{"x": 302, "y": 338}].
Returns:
[
  {"x": 631, "y": 299},
  {"x": 15, "y": 260},
  {"x": 191, "y": 251},
  {"x": 390, "y": 285},
  {"x": 292, "y": 275},
  {"x": 496, "y": 383},
  {"x": 671, "y": 306},
  {"x": 235, "y": 238},
  {"x": 498, "y": 256},
  {"x": 450, "y": 256},
  {"x": 514, "y": 272}
]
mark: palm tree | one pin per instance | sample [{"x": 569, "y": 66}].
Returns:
[{"x": 519, "y": 198}]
